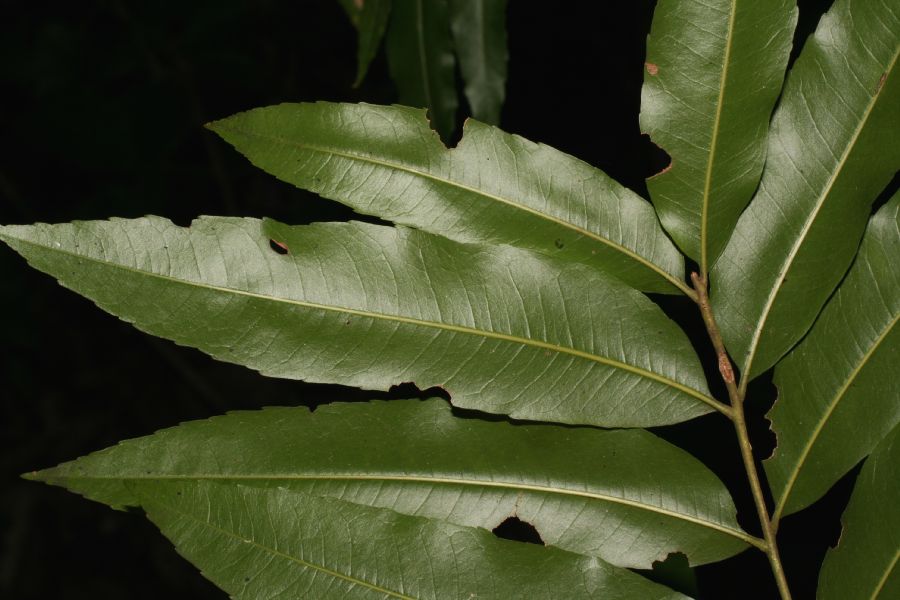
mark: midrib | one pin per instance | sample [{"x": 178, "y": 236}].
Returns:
[
  {"x": 400, "y": 319},
  {"x": 820, "y": 425},
  {"x": 820, "y": 201},
  {"x": 707, "y": 184},
  {"x": 295, "y": 559},
  {"x": 737, "y": 533},
  {"x": 397, "y": 166}
]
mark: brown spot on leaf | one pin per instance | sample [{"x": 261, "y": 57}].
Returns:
[
  {"x": 651, "y": 68},
  {"x": 881, "y": 82}
]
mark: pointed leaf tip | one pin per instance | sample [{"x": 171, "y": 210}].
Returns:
[
  {"x": 636, "y": 497},
  {"x": 219, "y": 286}
]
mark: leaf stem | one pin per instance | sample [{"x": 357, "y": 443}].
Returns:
[{"x": 736, "y": 395}]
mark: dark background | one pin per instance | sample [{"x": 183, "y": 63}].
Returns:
[{"x": 103, "y": 104}]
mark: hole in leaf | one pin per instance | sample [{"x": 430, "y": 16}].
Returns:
[
  {"x": 656, "y": 159},
  {"x": 674, "y": 572},
  {"x": 411, "y": 390},
  {"x": 514, "y": 528},
  {"x": 279, "y": 247}
]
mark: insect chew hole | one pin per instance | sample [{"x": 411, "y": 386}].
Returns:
[{"x": 279, "y": 247}]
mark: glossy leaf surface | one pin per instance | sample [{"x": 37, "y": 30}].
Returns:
[
  {"x": 479, "y": 31},
  {"x": 625, "y": 496},
  {"x": 838, "y": 390},
  {"x": 421, "y": 60},
  {"x": 275, "y": 543},
  {"x": 370, "y": 17},
  {"x": 372, "y": 306},
  {"x": 865, "y": 563},
  {"x": 713, "y": 72},
  {"x": 493, "y": 187},
  {"x": 833, "y": 147}
]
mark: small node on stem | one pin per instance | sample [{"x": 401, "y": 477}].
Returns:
[{"x": 725, "y": 369}]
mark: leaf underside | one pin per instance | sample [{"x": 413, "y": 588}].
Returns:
[
  {"x": 842, "y": 375},
  {"x": 492, "y": 188},
  {"x": 625, "y": 496},
  {"x": 833, "y": 147},
  {"x": 864, "y": 565},
  {"x": 372, "y": 306},
  {"x": 276, "y": 543},
  {"x": 708, "y": 93},
  {"x": 513, "y": 281}
]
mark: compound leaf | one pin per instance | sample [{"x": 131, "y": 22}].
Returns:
[
  {"x": 493, "y": 187},
  {"x": 838, "y": 390},
  {"x": 832, "y": 148},
  {"x": 713, "y": 72},
  {"x": 625, "y": 496},
  {"x": 372, "y": 306}
]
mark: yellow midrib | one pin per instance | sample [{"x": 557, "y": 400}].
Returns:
[
  {"x": 820, "y": 201},
  {"x": 707, "y": 184},
  {"x": 736, "y": 533},
  {"x": 407, "y": 320},
  {"x": 397, "y": 166},
  {"x": 295, "y": 559},
  {"x": 884, "y": 577},
  {"x": 832, "y": 406}
]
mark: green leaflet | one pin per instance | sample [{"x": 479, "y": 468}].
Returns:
[
  {"x": 421, "y": 60},
  {"x": 275, "y": 543},
  {"x": 838, "y": 389},
  {"x": 864, "y": 565},
  {"x": 493, "y": 187},
  {"x": 479, "y": 32},
  {"x": 709, "y": 89},
  {"x": 832, "y": 148},
  {"x": 372, "y": 306},
  {"x": 370, "y": 17},
  {"x": 624, "y": 496}
]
